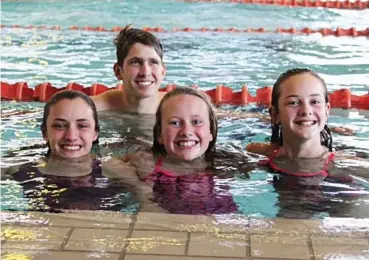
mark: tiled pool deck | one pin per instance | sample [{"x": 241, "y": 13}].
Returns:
[{"x": 110, "y": 235}]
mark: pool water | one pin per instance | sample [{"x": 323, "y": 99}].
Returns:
[{"x": 207, "y": 59}]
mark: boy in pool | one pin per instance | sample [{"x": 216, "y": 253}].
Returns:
[{"x": 140, "y": 66}]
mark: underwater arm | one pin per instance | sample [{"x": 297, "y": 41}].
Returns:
[
  {"x": 123, "y": 172},
  {"x": 241, "y": 115},
  {"x": 262, "y": 148},
  {"x": 345, "y": 164},
  {"x": 342, "y": 131},
  {"x": 6, "y": 173}
]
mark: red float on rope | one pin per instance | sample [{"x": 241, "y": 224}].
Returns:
[
  {"x": 323, "y": 31},
  {"x": 357, "y": 5},
  {"x": 17, "y": 91},
  {"x": 220, "y": 95}
]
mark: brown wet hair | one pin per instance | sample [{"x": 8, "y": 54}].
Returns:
[
  {"x": 129, "y": 36},
  {"x": 69, "y": 95},
  {"x": 277, "y": 137},
  {"x": 158, "y": 148}
]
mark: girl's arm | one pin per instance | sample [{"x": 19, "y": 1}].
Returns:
[
  {"x": 126, "y": 173},
  {"x": 345, "y": 164},
  {"x": 262, "y": 148},
  {"x": 143, "y": 161}
]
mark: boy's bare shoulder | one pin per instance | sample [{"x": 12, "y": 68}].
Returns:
[
  {"x": 262, "y": 148},
  {"x": 109, "y": 100}
]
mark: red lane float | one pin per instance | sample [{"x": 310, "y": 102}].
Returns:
[
  {"x": 347, "y": 4},
  {"x": 220, "y": 95},
  {"x": 353, "y": 32}
]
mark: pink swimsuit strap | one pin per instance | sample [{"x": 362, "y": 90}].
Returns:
[
  {"x": 158, "y": 169},
  {"x": 158, "y": 165},
  {"x": 323, "y": 172}
]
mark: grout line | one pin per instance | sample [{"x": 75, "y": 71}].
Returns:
[
  {"x": 272, "y": 258},
  {"x": 64, "y": 251},
  {"x": 248, "y": 247},
  {"x": 64, "y": 226},
  {"x": 310, "y": 247},
  {"x": 187, "y": 246},
  {"x": 66, "y": 239},
  {"x": 194, "y": 256},
  {"x": 129, "y": 235}
]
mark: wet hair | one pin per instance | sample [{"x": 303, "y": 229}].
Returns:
[
  {"x": 325, "y": 134},
  {"x": 129, "y": 36},
  {"x": 158, "y": 148},
  {"x": 69, "y": 95}
]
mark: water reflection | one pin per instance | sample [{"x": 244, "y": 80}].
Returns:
[{"x": 54, "y": 184}]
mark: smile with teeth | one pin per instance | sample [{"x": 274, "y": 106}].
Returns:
[
  {"x": 186, "y": 144},
  {"x": 305, "y": 123},
  {"x": 71, "y": 147},
  {"x": 144, "y": 83}
]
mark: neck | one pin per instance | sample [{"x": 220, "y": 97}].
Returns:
[
  {"x": 74, "y": 167},
  {"x": 307, "y": 149},
  {"x": 141, "y": 105},
  {"x": 79, "y": 160},
  {"x": 198, "y": 163}
]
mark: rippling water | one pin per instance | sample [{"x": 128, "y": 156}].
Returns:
[{"x": 208, "y": 59}]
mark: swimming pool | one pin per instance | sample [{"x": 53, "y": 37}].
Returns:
[{"x": 204, "y": 58}]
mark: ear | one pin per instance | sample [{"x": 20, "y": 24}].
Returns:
[
  {"x": 96, "y": 135},
  {"x": 328, "y": 109},
  {"x": 274, "y": 115},
  {"x": 164, "y": 70},
  {"x": 118, "y": 71}
]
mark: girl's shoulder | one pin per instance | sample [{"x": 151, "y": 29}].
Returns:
[
  {"x": 138, "y": 158},
  {"x": 262, "y": 148},
  {"x": 344, "y": 156}
]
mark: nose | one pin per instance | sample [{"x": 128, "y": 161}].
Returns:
[
  {"x": 71, "y": 134},
  {"x": 145, "y": 69},
  {"x": 186, "y": 130},
  {"x": 305, "y": 109}
]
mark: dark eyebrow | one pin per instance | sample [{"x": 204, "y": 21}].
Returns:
[
  {"x": 296, "y": 96},
  {"x": 135, "y": 58},
  {"x": 63, "y": 120}
]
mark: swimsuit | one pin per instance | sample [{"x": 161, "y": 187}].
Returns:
[
  {"x": 52, "y": 193},
  {"x": 190, "y": 194},
  {"x": 323, "y": 172},
  {"x": 300, "y": 196}
]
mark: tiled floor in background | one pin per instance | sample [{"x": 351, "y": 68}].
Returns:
[{"x": 110, "y": 235}]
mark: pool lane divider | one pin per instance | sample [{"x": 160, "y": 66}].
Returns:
[
  {"x": 347, "y": 4},
  {"x": 220, "y": 95},
  {"x": 353, "y": 32}
]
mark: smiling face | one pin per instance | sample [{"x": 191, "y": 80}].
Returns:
[
  {"x": 302, "y": 109},
  {"x": 70, "y": 128},
  {"x": 142, "y": 71},
  {"x": 185, "y": 127}
]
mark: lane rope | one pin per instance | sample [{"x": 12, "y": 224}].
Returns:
[
  {"x": 220, "y": 95},
  {"x": 347, "y": 4},
  {"x": 353, "y": 32}
]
